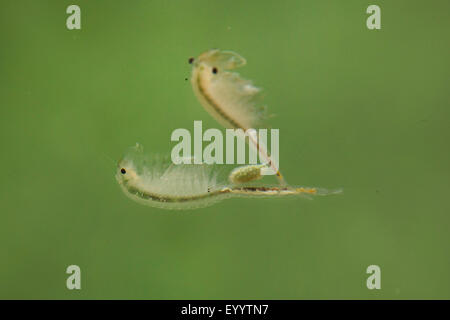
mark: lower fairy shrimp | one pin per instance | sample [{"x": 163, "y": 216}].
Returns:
[{"x": 154, "y": 182}]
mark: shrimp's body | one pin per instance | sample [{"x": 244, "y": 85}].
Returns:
[
  {"x": 231, "y": 100},
  {"x": 156, "y": 184}
]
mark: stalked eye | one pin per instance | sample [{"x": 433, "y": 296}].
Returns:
[
  {"x": 123, "y": 171},
  {"x": 214, "y": 70},
  {"x": 191, "y": 60}
]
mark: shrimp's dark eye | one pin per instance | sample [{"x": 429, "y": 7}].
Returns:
[
  {"x": 214, "y": 70},
  {"x": 191, "y": 60},
  {"x": 123, "y": 171}
]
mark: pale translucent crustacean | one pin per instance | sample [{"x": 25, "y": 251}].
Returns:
[
  {"x": 233, "y": 101},
  {"x": 157, "y": 183}
]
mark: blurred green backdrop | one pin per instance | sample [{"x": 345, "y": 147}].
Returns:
[{"x": 364, "y": 110}]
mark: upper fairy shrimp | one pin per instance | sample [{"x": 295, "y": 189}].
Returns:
[{"x": 233, "y": 101}]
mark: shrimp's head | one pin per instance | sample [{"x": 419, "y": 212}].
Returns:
[
  {"x": 216, "y": 60},
  {"x": 125, "y": 171}
]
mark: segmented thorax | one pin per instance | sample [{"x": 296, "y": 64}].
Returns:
[{"x": 156, "y": 182}]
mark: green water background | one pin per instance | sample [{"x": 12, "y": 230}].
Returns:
[{"x": 367, "y": 111}]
